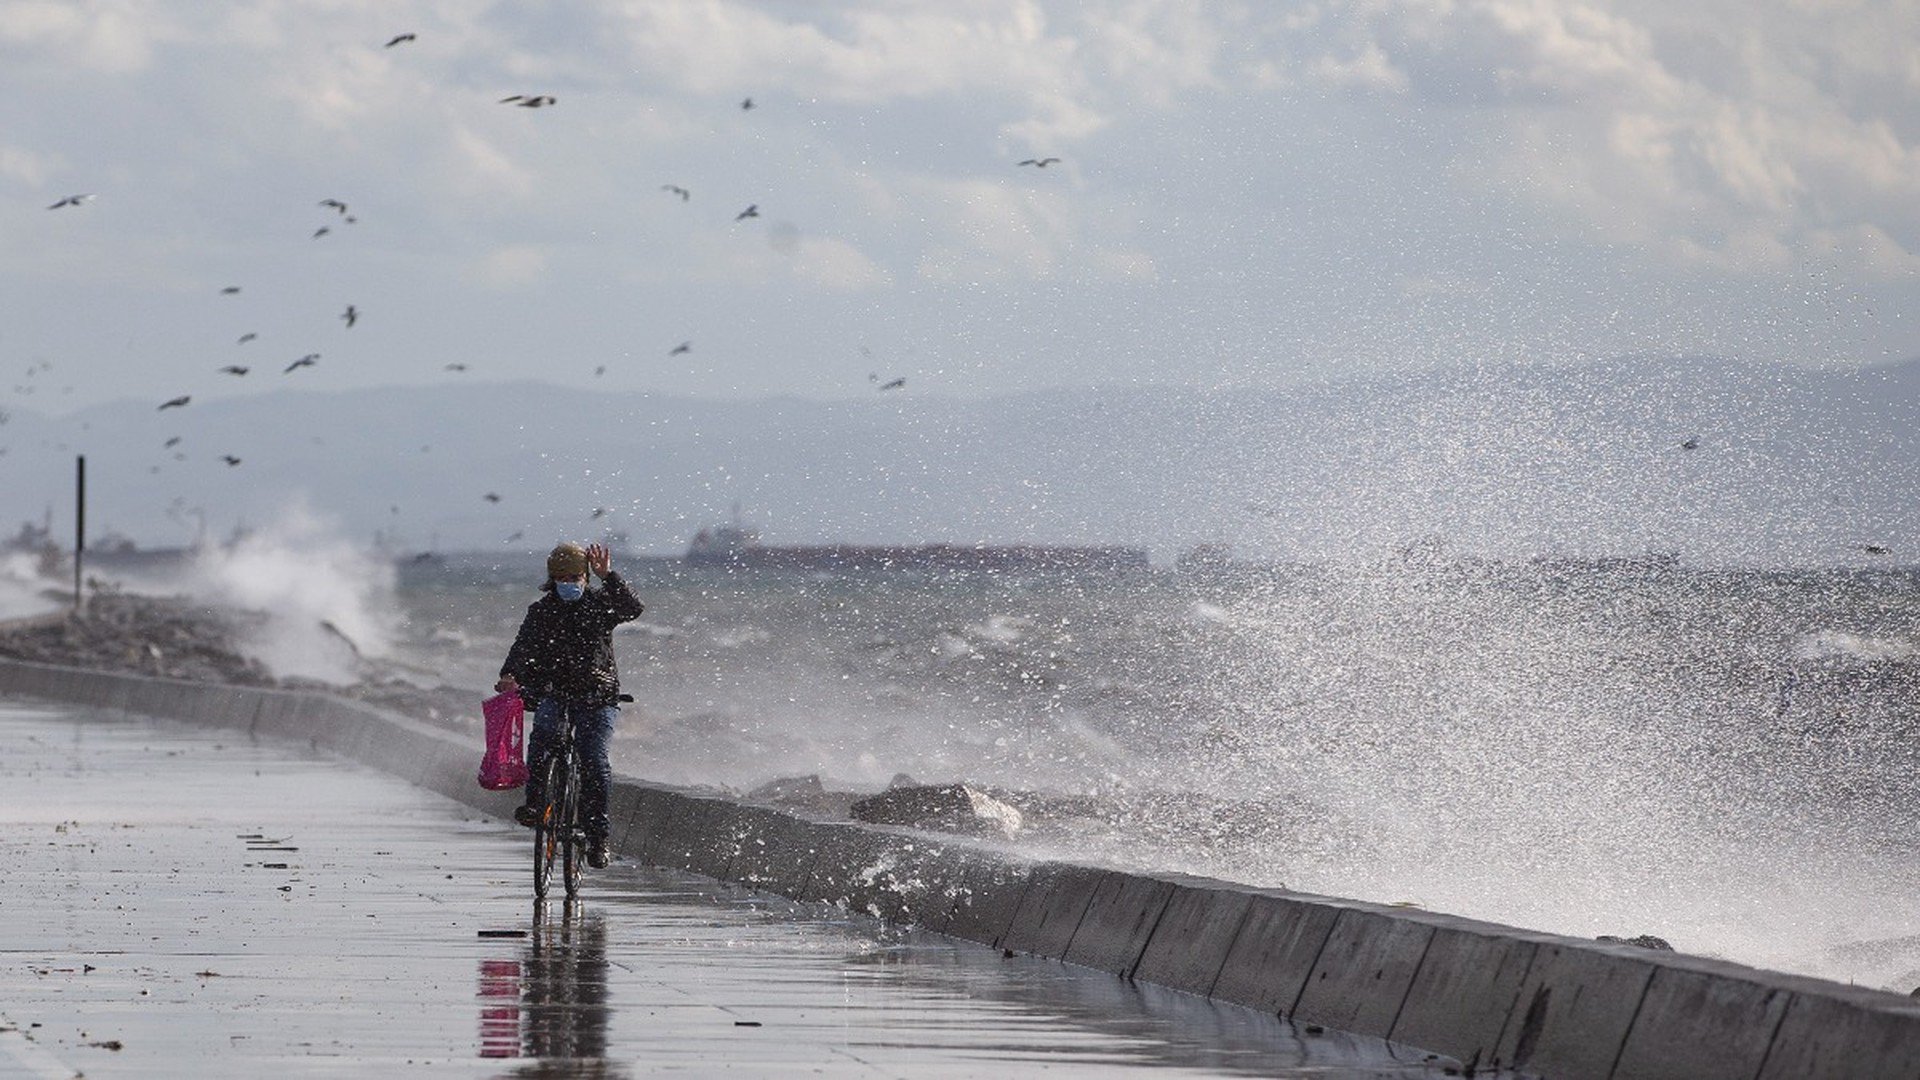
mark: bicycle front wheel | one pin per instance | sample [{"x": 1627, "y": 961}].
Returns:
[
  {"x": 573, "y": 829},
  {"x": 547, "y": 832}
]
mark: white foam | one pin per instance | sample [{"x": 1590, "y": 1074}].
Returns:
[
  {"x": 23, "y": 589},
  {"x": 328, "y": 602}
]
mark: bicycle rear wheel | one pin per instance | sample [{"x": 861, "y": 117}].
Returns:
[
  {"x": 547, "y": 832},
  {"x": 572, "y": 828}
]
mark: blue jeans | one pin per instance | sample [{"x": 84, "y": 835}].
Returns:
[{"x": 592, "y": 728}]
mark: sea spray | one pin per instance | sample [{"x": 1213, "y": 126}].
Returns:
[
  {"x": 328, "y": 603},
  {"x": 24, "y": 589}
]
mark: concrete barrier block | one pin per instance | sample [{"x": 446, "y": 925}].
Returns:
[
  {"x": 914, "y": 880},
  {"x": 1120, "y": 917},
  {"x": 100, "y": 690},
  {"x": 1705, "y": 1025},
  {"x": 493, "y": 804},
  {"x": 1190, "y": 944},
  {"x": 454, "y": 771},
  {"x": 403, "y": 749},
  {"x": 779, "y": 857},
  {"x": 1833, "y": 1032},
  {"x": 1275, "y": 951},
  {"x": 165, "y": 698},
  {"x": 733, "y": 826},
  {"x": 856, "y": 867},
  {"x": 980, "y": 891},
  {"x": 1466, "y": 988},
  {"x": 653, "y": 810},
  {"x": 208, "y": 705},
  {"x": 683, "y": 843},
  {"x": 1362, "y": 974},
  {"x": 275, "y": 717},
  {"x": 313, "y": 720},
  {"x": 237, "y": 708},
  {"x": 1051, "y": 907},
  {"x": 622, "y": 800},
  {"x": 946, "y": 874},
  {"x": 1575, "y": 1006},
  {"x": 92, "y": 689}
]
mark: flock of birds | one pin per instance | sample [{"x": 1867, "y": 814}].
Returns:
[{"x": 342, "y": 215}]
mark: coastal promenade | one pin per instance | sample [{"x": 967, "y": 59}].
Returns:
[
  {"x": 188, "y": 901},
  {"x": 1299, "y": 970}
]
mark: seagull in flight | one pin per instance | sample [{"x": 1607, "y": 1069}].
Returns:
[
  {"x": 230, "y": 460},
  {"x": 175, "y": 403},
  {"x": 892, "y": 384},
  {"x": 399, "y": 39},
  {"x": 529, "y": 101},
  {"x": 231, "y": 290},
  {"x": 491, "y": 497},
  {"x": 70, "y": 200},
  {"x": 308, "y": 360},
  {"x": 746, "y": 104},
  {"x": 752, "y": 210},
  {"x": 336, "y": 205},
  {"x": 233, "y": 369},
  {"x": 682, "y": 349},
  {"x": 1876, "y": 549},
  {"x": 677, "y": 190},
  {"x": 352, "y": 315},
  {"x": 320, "y": 232},
  {"x": 1041, "y": 163},
  {"x": 246, "y": 337},
  {"x": 1692, "y": 443},
  {"x": 456, "y": 367},
  {"x": 171, "y": 443}
]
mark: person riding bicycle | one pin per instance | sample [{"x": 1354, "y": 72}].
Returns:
[{"x": 562, "y": 664}]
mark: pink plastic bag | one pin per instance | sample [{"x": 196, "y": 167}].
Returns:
[{"x": 504, "y": 766}]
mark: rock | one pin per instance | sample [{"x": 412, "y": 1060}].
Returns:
[
  {"x": 789, "y": 789},
  {"x": 949, "y": 808},
  {"x": 807, "y": 794},
  {"x": 1644, "y": 941}
]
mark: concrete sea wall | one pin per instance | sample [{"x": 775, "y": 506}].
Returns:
[{"x": 1490, "y": 996}]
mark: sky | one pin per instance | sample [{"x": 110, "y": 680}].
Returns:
[{"x": 1244, "y": 193}]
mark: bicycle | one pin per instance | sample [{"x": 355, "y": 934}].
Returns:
[{"x": 559, "y": 834}]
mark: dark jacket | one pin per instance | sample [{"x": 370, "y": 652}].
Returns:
[{"x": 565, "y": 647}]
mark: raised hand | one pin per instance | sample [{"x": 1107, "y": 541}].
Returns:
[{"x": 599, "y": 560}]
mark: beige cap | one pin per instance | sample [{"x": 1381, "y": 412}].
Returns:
[{"x": 567, "y": 561}]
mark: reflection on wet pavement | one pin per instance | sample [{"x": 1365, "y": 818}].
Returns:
[{"x": 182, "y": 901}]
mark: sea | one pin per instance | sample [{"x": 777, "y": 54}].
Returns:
[
  {"x": 1724, "y": 758},
  {"x": 1721, "y": 758}
]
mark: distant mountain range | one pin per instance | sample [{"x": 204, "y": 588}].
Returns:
[{"x": 1715, "y": 461}]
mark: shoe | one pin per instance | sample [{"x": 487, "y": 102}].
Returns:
[
  {"x": 527, "y": 815},
  {"x": 597, "y": 853}
]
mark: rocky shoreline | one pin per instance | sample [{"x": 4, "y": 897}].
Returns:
[{"x": 172, "y": 638}]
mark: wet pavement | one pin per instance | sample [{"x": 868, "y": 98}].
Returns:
[{"x": 180, "y": 901}]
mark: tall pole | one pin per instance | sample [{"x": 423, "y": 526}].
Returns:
[{"x": 79, "y": 524}]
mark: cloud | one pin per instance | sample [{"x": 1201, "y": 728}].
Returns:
[
  {"x": 836, "y": 265},
  {"x": 508, "y": 267},
  {"x": 28, "y": 167},
  {"x": 106, "y": 36},
  {"x": 990, "y": 230},
  {"x": 1637, "y": 121},
  {"x": 1369, "y": 69},
  {"x": 992, "y": 55}
]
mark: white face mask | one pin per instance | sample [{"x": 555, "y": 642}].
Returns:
[{"x": 569, "y": 590}]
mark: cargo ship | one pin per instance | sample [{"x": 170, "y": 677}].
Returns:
[{"x": 738, "y": 546}]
